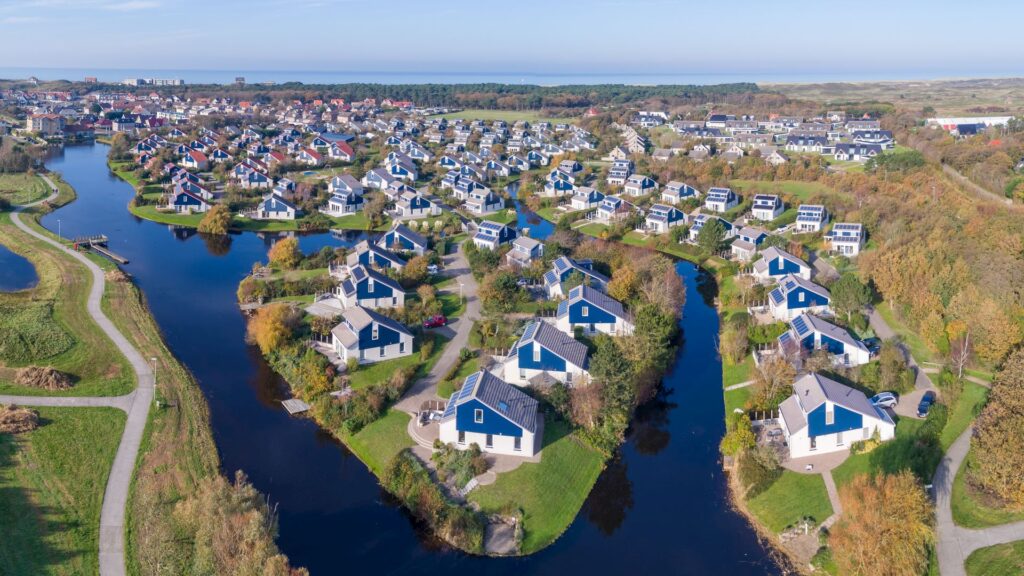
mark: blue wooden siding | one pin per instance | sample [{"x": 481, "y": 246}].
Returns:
[
  {"x": 493, "y": 423},
  {"x": 845, "y": 420},
  {"x": 380, "y": 290},
  {"x": 548, "y": 359},
  {"x": 595, "y": 315},
  {"x": 787, "y": 267},
  {"x": 385, "y": 337},
  {"x": 810, "y": 299}
]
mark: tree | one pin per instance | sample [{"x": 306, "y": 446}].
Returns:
[
  {"x": 886, "y": 526},
  {"x": 500, "y": 291},
  {"x": 733, "y": 346},
  {"x": 773, "y": 381},
  {"x": 216, "y": 221},
  {"x": 711, "y": 235},
  {"x": 623, "y": 285},
  {"x": 997, "y": 465},
  {"x": 271, "y": 327},
  {"x": 285, "y": 253},
  {"x": 849, "y": 294},
  {"x": 414, "y": 272},
  {"x": 740, "y": 436}
]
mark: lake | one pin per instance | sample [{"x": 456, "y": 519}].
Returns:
[
  {"x": 660, "y": 507},
  {"x": 16, "y": 272}
]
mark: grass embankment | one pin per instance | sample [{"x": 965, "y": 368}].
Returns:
[
  {"x": 49, "y": 325},
  {"x": 378, "y": 443},
  {"x": 178, "y": 450},
  {"x": 551, "y": 492},
  {"x": 502, "y": 216},
  {"x": 22, "y": 188},
  {"x": 1001, "y": 560},
  {"x": 369, "y": 374},
  {"x": 789, "y": 499},
  {"x": 51, "y": 488}
]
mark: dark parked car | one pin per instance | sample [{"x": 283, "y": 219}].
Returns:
[
  {"x": 873, "y": 345},
  {"x": 926, "y": 404},
  {"x": 435, "y": 321}
]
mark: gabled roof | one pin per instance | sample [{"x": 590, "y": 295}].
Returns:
[
  {"x": 804, "y": 324},
  {"x": 359, "y": 318},
  {"x": 498, "y": 395},
  {"x": 773, "y": 253},
  {"x": 791, "y": 282},
  {"x": 812, "y": 390},
  {"x": 365, "y": 246},
  {"x": 592, "y": 296},
  {"x": 559, "y": 343},
  {"x": 360, "y": 273},
  {"x": 405, "y": 232}
]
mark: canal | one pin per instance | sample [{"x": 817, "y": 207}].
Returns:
[{"x": 660, "y": 507}]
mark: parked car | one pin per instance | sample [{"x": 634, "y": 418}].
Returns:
[
  {"x": 522, "y": 282},
  {"x": 435, "y": 321},
  {"x": 433, "y": 269},
  {"x": 926, "y": 404},
  {"x": 885, "y": 400},
  {"x": 874, "y": 345}
]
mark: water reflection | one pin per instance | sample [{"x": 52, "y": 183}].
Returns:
[
  {"x": 650, "y": 432},
  {"x": 16, "y": 272},
  {"x": 612, "y": 497},
  {"x": 217, "y": 244}
]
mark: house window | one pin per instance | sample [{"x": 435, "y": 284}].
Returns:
[
  {"x": 867, "y": 433},
  {"x": 839, "y": 438},
  {"x": 536, "y": 353},
  {"x": 478, "y": 416},
  {"x": 522, "y": 374},
  {"x": 369, "y": 285},
  {"x": 586, "y": 311},
  {"x": 489, "y": 442},
  {"x": 800, "y": 297},
  {"x": 381, "y": 351},
  {"x": 830, "y": 416},
  {"x": 401, "y": 347},
  {"x": 814, "y": 443},
  {"x": 518, "y": 444},
  {"x": 376, "y": 332},
  {"x": 462, "y": 436}
]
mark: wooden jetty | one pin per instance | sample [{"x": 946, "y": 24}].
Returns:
[
  {"x": 98, "y": 243},
  {"x": 295, "y": 406}
]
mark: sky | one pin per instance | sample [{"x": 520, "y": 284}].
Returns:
[{"x": 937, "y": 38}]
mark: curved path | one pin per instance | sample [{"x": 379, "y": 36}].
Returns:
[
  {"x": 425, "y": 388},
  {"x": 135, "y": 404}
]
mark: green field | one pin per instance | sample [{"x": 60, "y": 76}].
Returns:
[
  {"x": 380, "y": 441},
  {"x": 792, "y": 497},
  {"x": 502, "y": 216},
  {"x": 1001, "y": 560},
  {"x": 790, "y": 188},
  {"x": 150, "y": 212},
  {"x": 550, "y": 492},
  {"x": 49, "y": 324},
  {"x": 510, "y": 116},
  {"x": 22, "y": 188},
  {"x": 370, "y": 374},
  {"x": 51, "y": 487}
]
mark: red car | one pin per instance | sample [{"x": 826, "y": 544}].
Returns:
[{"x": 435, "y": 321}]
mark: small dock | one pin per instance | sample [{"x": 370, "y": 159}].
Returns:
[
  {"x": 295, "y": 406},
  {"x": 99, "y": 244}
]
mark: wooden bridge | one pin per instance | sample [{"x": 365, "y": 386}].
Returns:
[{"x": 98, "y": 243}]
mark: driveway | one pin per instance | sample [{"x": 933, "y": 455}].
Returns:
[
  {"x": 136, "y": 405},
  {"x": 425, "y": 388}
]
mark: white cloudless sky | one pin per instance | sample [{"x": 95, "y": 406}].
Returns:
[{"x": 938, "y": 37}]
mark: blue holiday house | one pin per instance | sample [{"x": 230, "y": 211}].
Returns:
[
  {"x": 594, "y": 312},
  {"x": 545, "y": 355},
  {"x": 794, "y": 296},
  {"x": 494, "y": 415},
  {"x": 369, "y": 337}
]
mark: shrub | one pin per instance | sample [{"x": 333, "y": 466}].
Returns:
[
  {"x": 758, "y": 469},
  {"x": 740, "y": 436},
  {"x": 272, "y": 326}
]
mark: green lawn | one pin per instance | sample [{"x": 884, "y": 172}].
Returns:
[
  {"x": 858, "y": 464},
  {"x": 50, "y": 325},
  {"x": 150, "y": 212},
  {"x": 737, "y": 399},
  {"x": 971, "y": 510},
  {"x": 51, "y": 487},
  {"x": 791, "y": 188},
  {"x": 502, "y": 216},
  {"x": 917, "y": 346},
  {"x": 550, "y": 492},
  {"x": 736, "y": 373},
  {"x": 369, "y": 374},
  {"x": 446, "y": 388},
  {"x": 1001, "y": 560},
  {"x": 960, "y": 417},
  {"x": 553, "y": 214},
  {"x": 509, "y": 116},
  {"x": 22, "y": 188},
  {"x": 380, "y": 441},
  {"x": 792, "y": 497},
  {"x": 592, "y": 229},
  {"x": 451, "y": 304}
]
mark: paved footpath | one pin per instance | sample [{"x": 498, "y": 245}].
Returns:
[
  {"x": 135, "y": 404},
  {"x": 425, "y": 388}
]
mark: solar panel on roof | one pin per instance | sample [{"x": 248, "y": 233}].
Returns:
[{"x": 800, "y": 325}]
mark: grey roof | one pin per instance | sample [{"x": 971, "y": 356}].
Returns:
[
  {"x": 811, "y": 390},
  {"x": 792, "y": 414},
  {"x": 365, "y": 246},
  {"x": 599, "y": 299},
  {"x": 526, "y": 242},
  {"x": 360, "y": 273},
  {"x": 566, "y": 347},
  {"x": 772, "y": 253},
  {"x": 832, "y": 331},
  {"x": 360, "y": 317},
  {"x": 498, "y": 395},
  {"x": 404, "y": 230}
]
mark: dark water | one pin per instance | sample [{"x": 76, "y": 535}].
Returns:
[
  {"x": 527, "y": 219},
  {"x": 16, "y": 272},
  {"x": 660, "y": 507}
]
